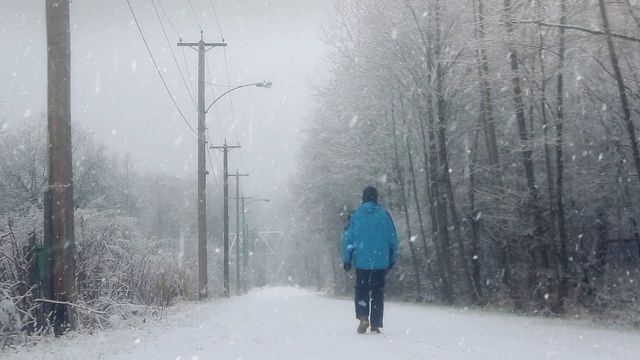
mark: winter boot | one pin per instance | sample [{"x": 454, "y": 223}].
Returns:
[
  {"x": 364, "y": 324},
  {"x": 375, "y": 330}
]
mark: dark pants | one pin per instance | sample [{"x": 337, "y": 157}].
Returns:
[{"x": 370, "y": 289}]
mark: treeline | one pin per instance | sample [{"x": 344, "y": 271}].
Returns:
[
  {"x": 134, "y": 233},
  {"x": 502, "y": 137}
]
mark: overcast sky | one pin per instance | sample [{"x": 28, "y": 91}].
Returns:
[{"x": 118, "y": 95}]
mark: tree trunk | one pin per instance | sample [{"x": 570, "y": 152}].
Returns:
[
  {"x": 432, "y": 205},
  {"x": 525, "y": 146},
  {"x": 420, "y": 84},
  {"x": 561, "y": 220},
  {"x": 423, "y": 232},
  {"x": 622, "y": 92},
  {"x": 414, "y": 258},
  {"x": 438, "y": 196},
  {"x": 443, "y": 158},
  {"x": 439, "y": 209},
  {"x": 547, "y": 283},
  {"x": 492, "y": 148},
  {"x": 474, "y": 221}
]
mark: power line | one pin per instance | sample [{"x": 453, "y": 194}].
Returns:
[
  {"x": 213, "y": 94},
  {"x": 233, "y": 116},
  {"x": 215, "y": 105},
  {"x": 207, "y": 129},
  {"x": 194, "y": 15},
  {"x": 189, "y": 75},
  {"x": 216, "y": 17},
  {"x": 186, "y": 63},
  {"x": 226, "y": 66},
  {"x": 170, "y": 23},
  {"x": 158, "y": 69},
  {"x": 210, "y": 80},
  {"x": 184, "y": 56},
  {"x": 173, "y": 54},
  {"x": 215, "y": 179}
]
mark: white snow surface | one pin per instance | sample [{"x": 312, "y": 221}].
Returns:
[{"x": 291, "y": 323}]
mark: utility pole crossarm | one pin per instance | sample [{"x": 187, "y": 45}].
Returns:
[
  {"x": 193, "y": 45},
  {"x": 224, "y": 148}
]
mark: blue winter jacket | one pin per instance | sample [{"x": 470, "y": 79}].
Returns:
[{"x": 370, "y": 239}]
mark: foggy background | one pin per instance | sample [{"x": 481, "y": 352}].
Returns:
[
  {"x": 119, "y": 97},
  {"x": 505, "y": 151}
]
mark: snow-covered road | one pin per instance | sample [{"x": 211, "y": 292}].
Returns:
[{"x": 290, "y": 323}]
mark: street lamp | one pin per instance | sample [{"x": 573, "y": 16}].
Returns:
[
  {"x": 245, "y": 248},
  {"x": 264, "y": 84}
]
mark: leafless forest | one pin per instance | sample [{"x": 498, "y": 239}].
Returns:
[{"x": 502, "y": 135}]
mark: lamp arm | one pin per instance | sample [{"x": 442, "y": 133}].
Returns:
[{"x": 228, "y": 91}]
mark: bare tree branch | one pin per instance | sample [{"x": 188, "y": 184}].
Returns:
[{"x": 579, "y": 28}]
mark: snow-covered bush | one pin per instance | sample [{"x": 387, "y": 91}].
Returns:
[
  {"x": 121, "y": 277},
  {"x": 130, "y": 255},
  {"x": 17, "y": 308},
  {"x": 118, "y": 272}
]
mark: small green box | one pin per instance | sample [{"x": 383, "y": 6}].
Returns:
[{"x": 41, "y": 259}]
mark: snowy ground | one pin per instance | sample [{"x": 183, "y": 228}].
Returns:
[{"x": 290, "y": 323}]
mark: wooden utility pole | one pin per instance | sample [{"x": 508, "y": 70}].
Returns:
[
  {"x": 60, "y": 172},
  {"x": 225, "y": 149},
  {"x": 237, "y": 175},
  {"x": 245, "y": 249},
  {"x": 202, "y": 47},
  {"x": 245, "y": 254}
]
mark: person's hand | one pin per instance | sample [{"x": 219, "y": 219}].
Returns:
[{"x": 346, "y": 266}]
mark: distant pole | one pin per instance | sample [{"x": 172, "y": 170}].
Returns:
[
  {"x": 225, "y": 149},
  {"x": 245, "y": 250},
  {"x": 245, "y": 253},
  {"x": 203, "y": 288},
  {"x": 237, "y": 175},
  {"x": 60, "y": 177}
]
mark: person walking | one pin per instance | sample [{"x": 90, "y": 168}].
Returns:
[{"x": 370, "y": 244}]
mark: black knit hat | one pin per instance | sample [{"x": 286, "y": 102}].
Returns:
[{"x": 370, "y": 194}]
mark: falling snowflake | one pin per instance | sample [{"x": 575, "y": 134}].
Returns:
[
  {"x": 177, "y": 141},
  {"x": 354, "y": 121}
]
